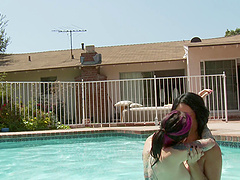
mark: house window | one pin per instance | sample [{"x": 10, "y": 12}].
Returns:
[
  {"x": 170, "y": 88},
  {"x": 136, "y": 75},
  {"x": 229, "y": 66},
  {"x": 143, "y": 91},
  {"x": 47, "y": 88},
  {"x": 136, "y": 91}
]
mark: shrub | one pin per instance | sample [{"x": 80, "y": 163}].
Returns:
[
  {"x": 42, "y": 121},
  {"x": 11, "y": 119},
  {"x": 15, "y": 121}
]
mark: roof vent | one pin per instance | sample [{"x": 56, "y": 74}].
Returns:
[
  {"x": 196, "y": 39},
  {"x": 82, "y": 44}
]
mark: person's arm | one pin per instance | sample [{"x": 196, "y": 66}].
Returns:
[
  {"x": 182, "y": 152},
  {"x": 206, "y": 133},
  {"x": 204, "y": 144},
  {"x": 212, "y": 168},
  {"x": 205, "y": 92},
  {"x": 192, "y": 162},
  {"x": 213, "y": 163},
  {"x": 196, "y": 152}
]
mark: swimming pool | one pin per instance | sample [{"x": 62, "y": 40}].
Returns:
[
  {"x": 110, "y": 157},
  {"x": 105, "y": 157},
  {"x": 231, "y": 163}
]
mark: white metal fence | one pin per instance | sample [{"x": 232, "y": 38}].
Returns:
[{"x": 94, "y": 102}]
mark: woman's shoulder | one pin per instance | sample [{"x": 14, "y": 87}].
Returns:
[
  {"x": 148, "y": 140},
  {"x": 148, "y": 145}
]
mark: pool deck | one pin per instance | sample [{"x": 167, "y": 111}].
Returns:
[{"x": 221, "y": 130}]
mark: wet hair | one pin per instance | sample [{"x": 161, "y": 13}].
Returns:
[
  {"x": 196, "y": 103},
  {"x": 174, "y": 128}
]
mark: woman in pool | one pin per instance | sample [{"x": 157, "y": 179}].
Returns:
[
  {"x": 164, "y": 156},
  {"x": 210, "y": 165}
]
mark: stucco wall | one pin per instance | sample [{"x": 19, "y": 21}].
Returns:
[
  {"x": 219, "y": 52},
  {"x": 112, "y": 71},
  {"x": 65, "y": 74}
]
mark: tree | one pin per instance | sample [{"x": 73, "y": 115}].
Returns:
[
  {"x": 232, "y": 32},
  {"x": 4, "y": 40}
]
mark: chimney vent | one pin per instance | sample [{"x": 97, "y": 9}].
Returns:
[
  {"x": 29, "y": 58},
  {"x": 90, "y": 49}
]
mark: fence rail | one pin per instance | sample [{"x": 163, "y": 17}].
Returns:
[{"x": 94, "y": 102}]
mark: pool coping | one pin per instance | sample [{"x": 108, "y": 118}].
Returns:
[
  {"x": 75, "y": 132},
  {"x": 222, "y": 132}
]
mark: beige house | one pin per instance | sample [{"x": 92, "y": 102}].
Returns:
[{"x": 165, "y": 59}]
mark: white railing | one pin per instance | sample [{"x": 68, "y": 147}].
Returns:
[{"x": 94, "y": 102}]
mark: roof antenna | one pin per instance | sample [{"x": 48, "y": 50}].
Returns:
[{"x": 70, "y": 32}]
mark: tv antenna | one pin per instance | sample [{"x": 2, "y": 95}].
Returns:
[{"x": 70, "y": 32}]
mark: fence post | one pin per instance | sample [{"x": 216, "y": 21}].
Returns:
[
  {"x": 225, "y": 95},
  {"x": 83, "y": 103},
  {"x": 155, "y": 90}
]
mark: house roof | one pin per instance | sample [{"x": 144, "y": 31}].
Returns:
[
  {"x": 217, "y": 41},
  {"x": 137, "y": 53}
]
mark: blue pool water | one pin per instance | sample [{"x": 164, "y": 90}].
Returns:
[
  {"x": 86, "y": 158},
  {"x": 111, "y": 157},
  {"x": 231, "y": 163}
]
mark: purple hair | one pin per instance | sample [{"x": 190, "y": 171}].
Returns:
[
  {"x": 185, "y": 121},
  {"x": 174, "y": 128}
]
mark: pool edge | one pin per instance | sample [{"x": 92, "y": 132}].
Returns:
[{"x": 143, "y": 131}]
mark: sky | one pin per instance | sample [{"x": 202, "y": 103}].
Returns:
[{"x": 113, "y": 22}]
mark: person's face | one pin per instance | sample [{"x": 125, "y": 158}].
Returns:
[{"x": 185, "y": 108}]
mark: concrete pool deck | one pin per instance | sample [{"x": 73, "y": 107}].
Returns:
[{"x": 221, "y": 130}]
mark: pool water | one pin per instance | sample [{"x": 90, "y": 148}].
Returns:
[
  {"x": 231, "y": 163},
  {"x": 98, "y": 158},
  {"x": 86, "y": 158}
]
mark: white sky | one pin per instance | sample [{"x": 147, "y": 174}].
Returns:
[{"x": 114, "y": 22}]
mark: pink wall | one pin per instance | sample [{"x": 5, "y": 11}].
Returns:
[{"x": 217, "y": 52}]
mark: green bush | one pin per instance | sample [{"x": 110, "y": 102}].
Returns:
[
  {"x": 11, "y": 119},
  {"x": 42, "y": 121},
  {"x": 19, "y": 118},
  {"x": 36, "y": 120}
]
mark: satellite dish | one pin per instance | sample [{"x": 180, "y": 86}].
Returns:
[{"x": 195, "y": 39}]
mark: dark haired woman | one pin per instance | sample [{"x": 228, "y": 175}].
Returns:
[
  {"x": 211, "y": 163},
  {"x": 165, "y": 152}
]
